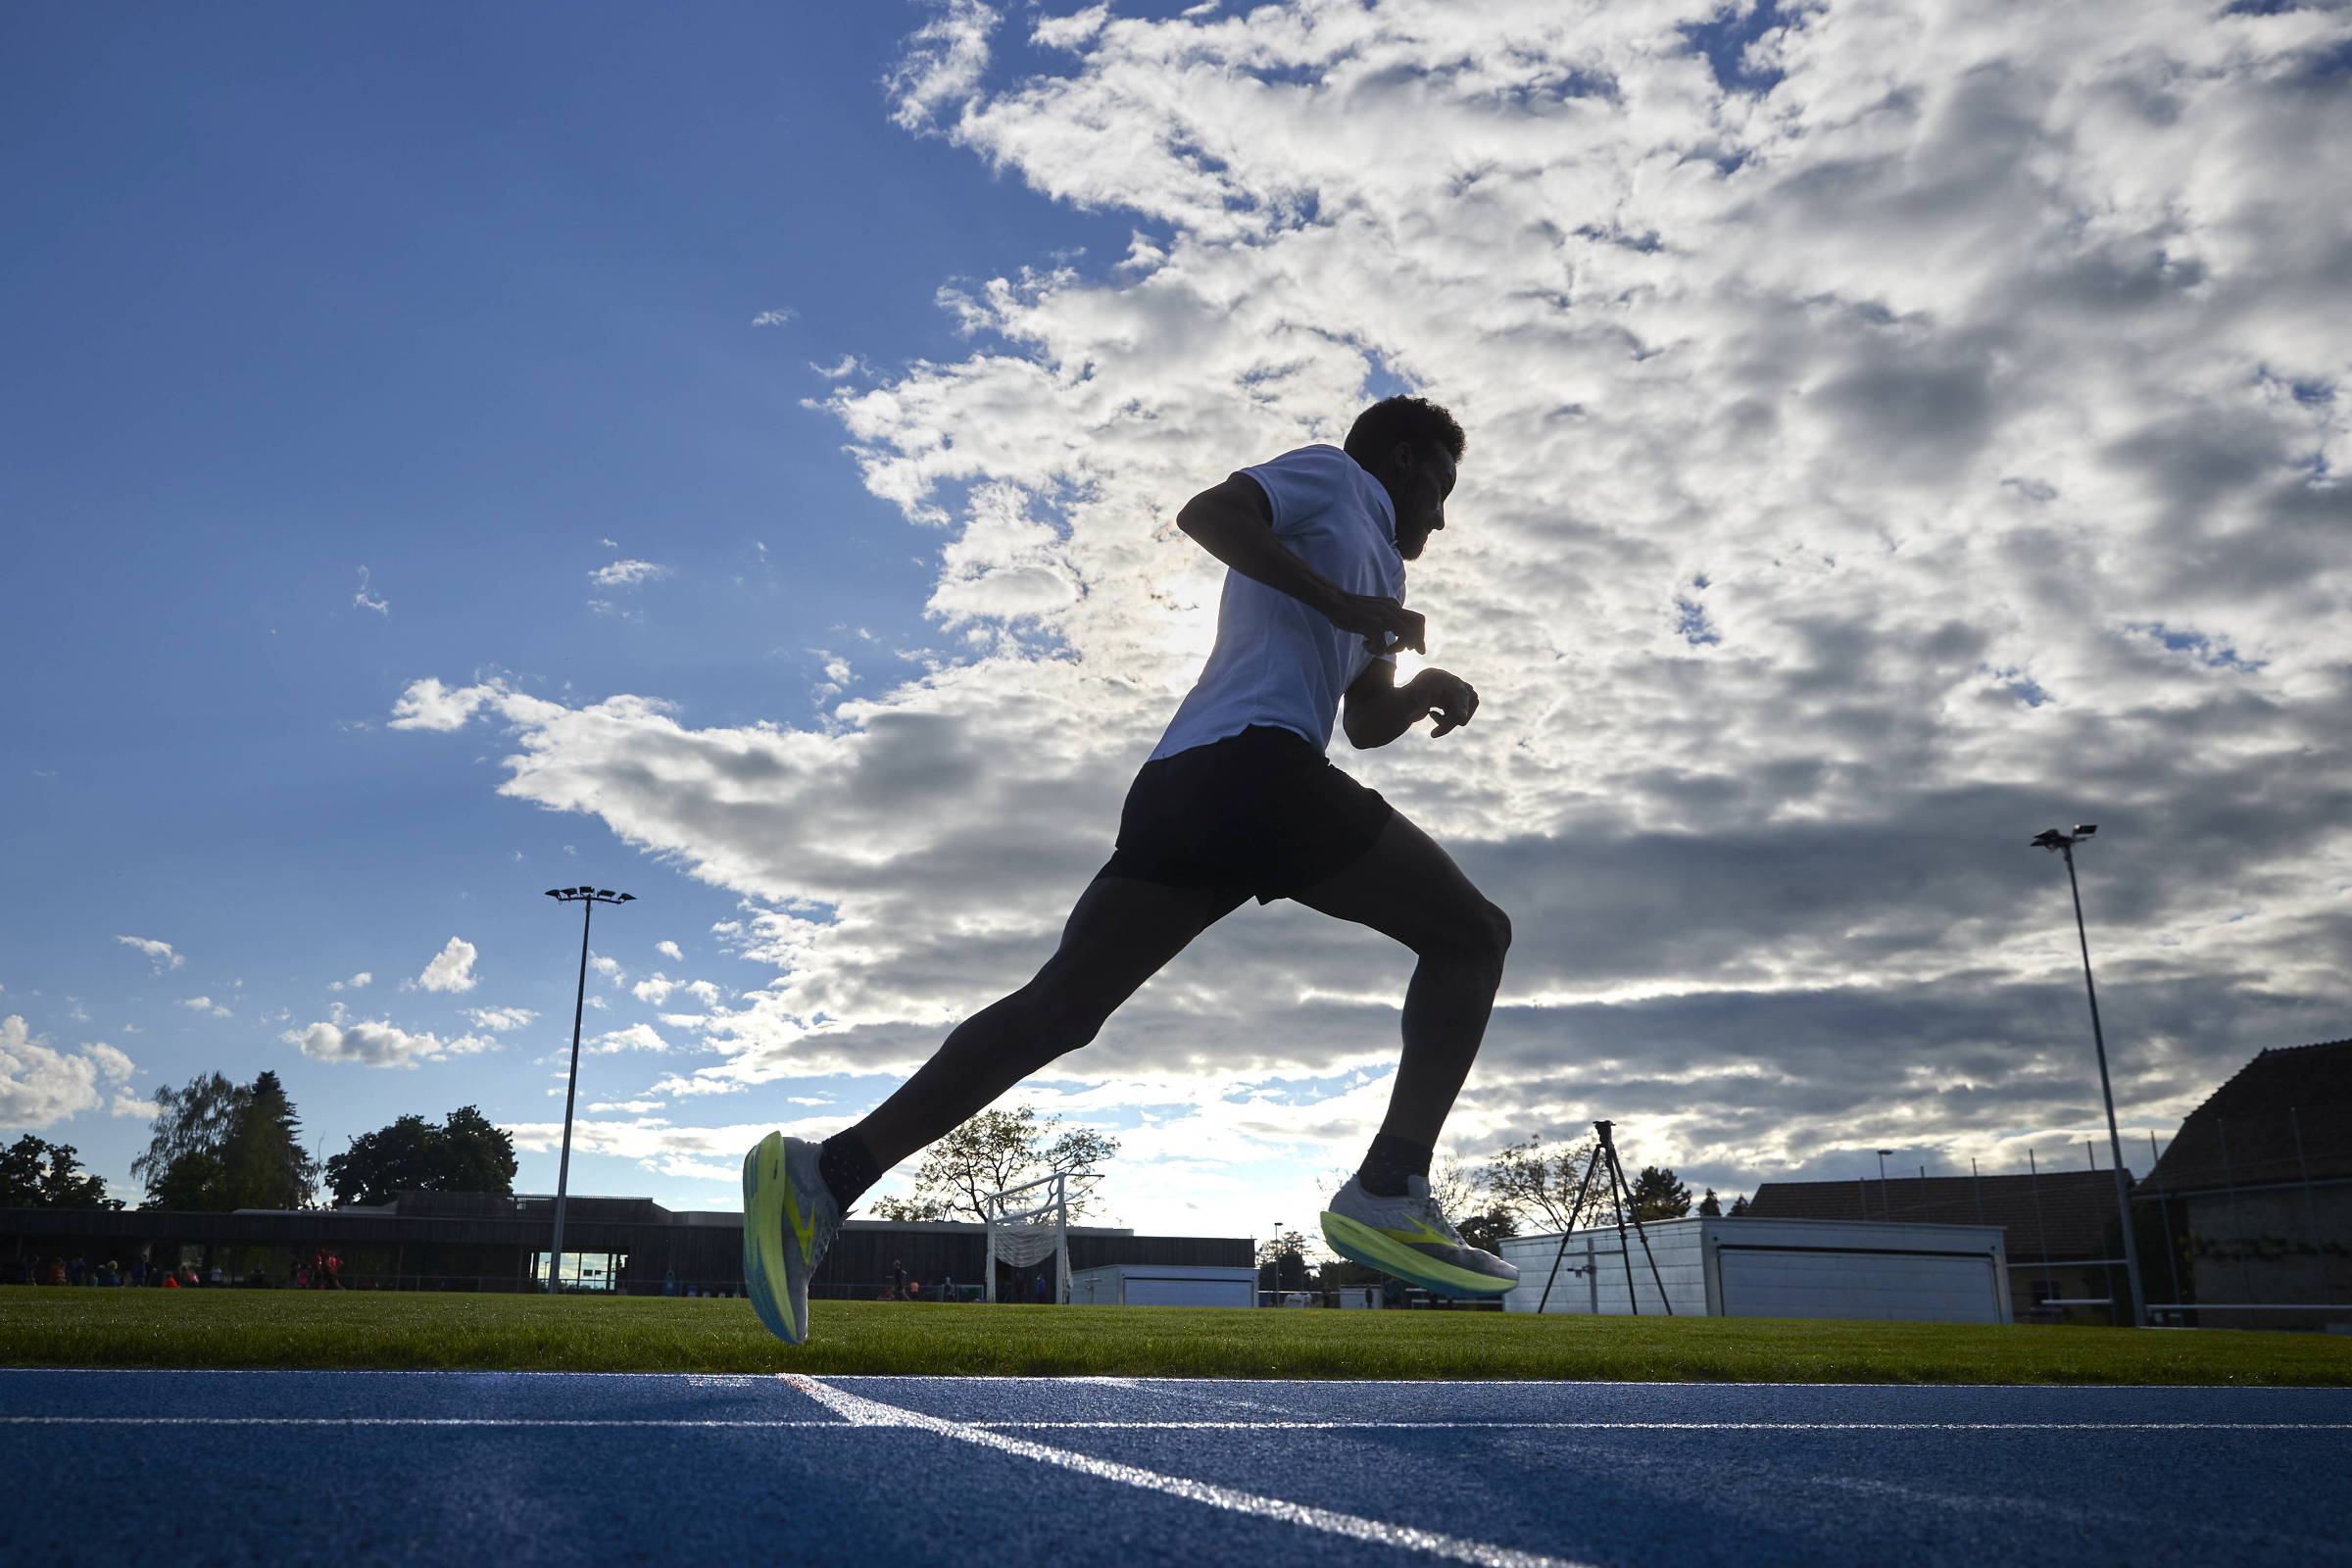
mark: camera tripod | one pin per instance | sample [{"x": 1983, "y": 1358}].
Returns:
[{"x": 1621, "y": 1197}]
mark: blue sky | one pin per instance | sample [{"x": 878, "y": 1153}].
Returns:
[{"x": 400, "y": 395}]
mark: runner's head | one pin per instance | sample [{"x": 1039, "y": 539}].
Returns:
[{"x": 1412, "y": 447}]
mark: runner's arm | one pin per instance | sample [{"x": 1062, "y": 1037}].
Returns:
[
  {"x": 1377, "y": 710},
  {"x": 1234, "y": 523}
]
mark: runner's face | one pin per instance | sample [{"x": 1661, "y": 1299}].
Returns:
[{"x": 1419, "y": 480}]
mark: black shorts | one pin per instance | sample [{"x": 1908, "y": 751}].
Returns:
[{"x": 1260, "y": 813}]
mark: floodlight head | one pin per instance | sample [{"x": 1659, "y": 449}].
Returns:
[
  {"x": 555, "y": 892},
  {"x": 2050, "y": 838},
  {"x": 604, "y": 892},
  {"x": 2084, "y": 830},
  {"x": 628, "y": 898}
]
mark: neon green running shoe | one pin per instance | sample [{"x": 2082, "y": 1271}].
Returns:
[
  {"x": 789, "y": 1219},
  {"x": 1410, "y": 1238}
]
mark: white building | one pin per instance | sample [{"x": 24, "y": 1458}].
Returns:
[
  {"x": 1749, "y": 1267},
  {"x": 1166, "y": 1285}
]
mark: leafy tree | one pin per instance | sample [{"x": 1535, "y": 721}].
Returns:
[
  {"x": 1282, "y": 1262},
  {"x": 35, "y": 1173},
  {"x": 998, "y": 1150},
  {"x": 465, "y": 1153},
  {"x": 1739, "y": 1207},
  {"x": 1538, "y": 1182},
  {"x": 1711, "y": 1206},
  {"x": 921, "y": 1210},
  {"x": 219, "y": 1144},
  {"x": 1658, "y": 1196},
  {"x": 190, "y": 1122}
]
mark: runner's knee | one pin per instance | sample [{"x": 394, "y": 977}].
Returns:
[{"x": 1483, "y": 934}]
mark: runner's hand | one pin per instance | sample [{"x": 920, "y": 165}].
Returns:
[
  {"x": 1446, "y": 697},
  {"x": 1385, "y": 624}
]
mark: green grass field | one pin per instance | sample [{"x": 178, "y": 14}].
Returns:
[{"x": 305, "y": 1329}]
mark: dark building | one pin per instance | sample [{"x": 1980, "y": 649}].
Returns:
[
  {"x": 484, "y": 1241},
  {"x": 2253, "y": 1198},
  {"x": 2065, "y": 1247}
]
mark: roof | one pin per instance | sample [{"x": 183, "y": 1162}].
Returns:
[
  {"x": 2059, "y": 1213},
  {"x": 2246, "y": 1133}
]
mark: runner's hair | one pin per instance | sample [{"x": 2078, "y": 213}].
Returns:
[{"x": 1415, "y": 421}]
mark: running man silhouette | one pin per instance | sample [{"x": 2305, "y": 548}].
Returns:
[{"x": 1237, "y": 801}]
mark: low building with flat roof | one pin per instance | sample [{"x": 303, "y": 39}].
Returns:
[{"x": 492, "y": 1242}]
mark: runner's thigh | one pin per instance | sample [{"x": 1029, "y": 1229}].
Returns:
[
  {"x": 1124, "y": 931},
  {"x": 1405, "y": 886}
]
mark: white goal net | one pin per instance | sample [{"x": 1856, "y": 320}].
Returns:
[{"x": 1028, "y": 1224}]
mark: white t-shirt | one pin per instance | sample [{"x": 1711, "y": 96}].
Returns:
[{"x": 1276, "y": 662}]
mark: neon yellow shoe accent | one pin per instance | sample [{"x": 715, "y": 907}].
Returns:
[{"x": 1387, "y": 1251}]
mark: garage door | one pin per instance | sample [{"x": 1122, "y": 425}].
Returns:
[
  {"x": 1147, "y": 1292},
  {"x": 1827, "y": 1282}
]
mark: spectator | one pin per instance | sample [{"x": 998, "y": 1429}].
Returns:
[
  {"x": 334, "y": 1272},
  {"x": 670, "y": 1282},
  {"x": 1037, "y": 1290},
  {"x": 74, "y": 1270},
  {"x": 171, "y": 1282},
  {"x": 947, "y": 1287},
  {"x": 914, "y": 1289},
  {"x": 898, "y": 1278},
  {"x": 56, "y": 1274},
  {"x": 213, "y": 1276}
]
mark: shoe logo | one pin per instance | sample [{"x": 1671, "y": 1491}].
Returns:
[
  {"x": 1419, "y": 1233},
  {"x": 804, "y": 1228}
]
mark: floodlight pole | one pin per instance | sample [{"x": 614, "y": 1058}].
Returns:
[
  {"x": 2064, "y": 844},
  {"x": 587, "y": 899}
]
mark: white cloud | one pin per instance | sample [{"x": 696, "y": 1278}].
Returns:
[
  {"x": 375, "y": 1044},
  {"x": 160, "y": 953},
  {"x": 776, "y": 317},
  {"x": 367, "y": 599},
  {"x": 1863, "y": 476},
  {"x": 669, "y": 949},
  {"x": 452, "y": 968},
  {"x": 355, "y": 983},
  {"x": 654, "y": 988},
  {"x": 41, "y": 1085},
  {"x": 203, "y": 1004},
  {"x": 636, "y": 1037},
  {"x": 429, "y": 704},
  {"x": 627, "y": 573},
  {"x": 608, "y": 967},
  {"x": 630, "y": 1107},
  {"x": 500, "y": 1019}
]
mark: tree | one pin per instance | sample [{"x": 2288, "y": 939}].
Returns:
[
  {"x": 465, "y": 1153},
  {"x": 1739, "y": 1208},
  {"x": 1658, "y": 1196},
  {"x": 264, "y": 1164},
  {"x": 219, "y": 1144},
  {"x": 995, "y": 1151},
  {"x": 35, "y": 1173},
  {"x": 191, "y": 1125},
  {"x": 1538, "y": 1182},
  {"x": 1711, "y": 1206},
  {"x": 1282, "y": 1262}
]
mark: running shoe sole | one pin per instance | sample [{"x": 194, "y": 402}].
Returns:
[
  {"x": 1361, "y": 1243},
  {"x": 766, "y": 1189}
]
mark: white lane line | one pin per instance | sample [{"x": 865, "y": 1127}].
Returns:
[
  {"x": 861, "y": 1411},
  {"x": 1181, "y": 1426}
]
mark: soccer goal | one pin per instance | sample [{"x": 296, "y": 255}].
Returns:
[{"x": 1030, "y": 1223}]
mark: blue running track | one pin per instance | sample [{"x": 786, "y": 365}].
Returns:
[{"x": 504, "y": 1468}]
